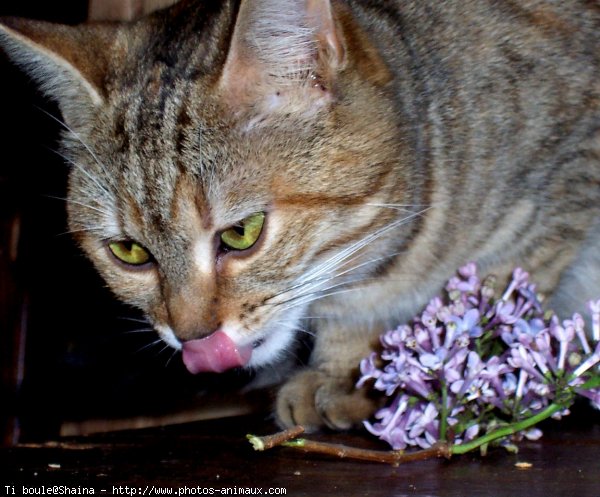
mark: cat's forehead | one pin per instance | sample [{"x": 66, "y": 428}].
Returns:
[
  {"x": 169, "y": 150},
  {"x": 168, "y": 126}
]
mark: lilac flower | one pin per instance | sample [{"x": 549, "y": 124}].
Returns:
[
  {"x": 590, "y": 362},
  {"x": 564, "y": 335},
  {"x": 533, "y": 434},
  {"x": 469, "y": 323},
  {"x": 403, "y": 424},
  {"x": 519, "y": 281},
  {"x": 470, "y": 363},
  {"x": 593, "y": 395},
  {"x": 368, "y": 370},
  {"x": 595, "y": 310},
  {"x": 578, "y": 325}
]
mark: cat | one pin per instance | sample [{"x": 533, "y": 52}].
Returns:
[
  {"x": 249, "y": 172},
  {"x": 123, "y": 10}
]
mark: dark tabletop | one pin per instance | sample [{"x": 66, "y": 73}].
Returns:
[{"x": 214, "y": 458}]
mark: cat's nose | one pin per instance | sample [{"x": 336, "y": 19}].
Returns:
[
  {"x": 191, "y": 326},
  {"x": 192, "y": 312},
  {"x": 194, "y": 329},
  {"x": 215, "y": 353}
]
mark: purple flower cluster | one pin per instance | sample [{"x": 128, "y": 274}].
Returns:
[{"x": 474, "y": 362}]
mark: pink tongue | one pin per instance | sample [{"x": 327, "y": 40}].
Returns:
[{"x": 215, "y": 353}]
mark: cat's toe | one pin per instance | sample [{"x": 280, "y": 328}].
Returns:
[
  {"x": 296, "y": 401},
  {"x": 315, "y": 400},
  {"x": 341, "y": 406}
]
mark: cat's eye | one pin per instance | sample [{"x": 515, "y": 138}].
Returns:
[
  {"x": 130, "y": 252},
  {"x": 245, "y": 234}
]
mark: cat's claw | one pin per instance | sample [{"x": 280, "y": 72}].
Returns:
[{"x": 316, "y": 400}]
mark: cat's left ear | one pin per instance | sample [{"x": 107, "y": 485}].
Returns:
[
  {"x": 284, "y": 56},
  {"x": 68, "y": 62}
]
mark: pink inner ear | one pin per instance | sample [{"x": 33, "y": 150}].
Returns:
[
  {"x": 215, "y": 353},
  {"x": 327, "y": 33},
  {"x": 272, "y": 52}
]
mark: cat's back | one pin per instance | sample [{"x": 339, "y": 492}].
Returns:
[
  {"x": 500, "y": 102},
  {"x": 453, "y": 26},
  {"x": 488, "y": 46}
]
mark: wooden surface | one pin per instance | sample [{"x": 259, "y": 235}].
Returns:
[{"x": 211, "y": 456}]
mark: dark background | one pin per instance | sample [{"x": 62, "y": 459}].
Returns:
[{"x": 68, "y": 349}]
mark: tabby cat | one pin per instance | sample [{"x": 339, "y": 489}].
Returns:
[{"x": 249, "y": 171}]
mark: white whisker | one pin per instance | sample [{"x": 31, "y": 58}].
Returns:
[
  {"x": 316, "y": 283},
  {"x": 316, "y": 317},
  {"x": 86, "y": 173},
  {"x": 83, "y": 204},
  {"x": 141, "y": 330},
  {"x": 135, "y": 320},
  {"x": 173, "y": 354},
  {"x": 86, "y": 146},
  {"x": 339, "y": 274},
  {"x": 321, "y": 290},
  {"x": 148, "y": 345},
  {"x": 294, "y": 327},
  {"x": 408, "y": 208},
  {"x": 89, "y": 229},
  {"x": 166, "y": 347},
  {"x": 313, "y": 285},
  {"x": 337, "y": 259},
  {"x": 365, "y": 263},
  {"x": 315, "y": 297}
]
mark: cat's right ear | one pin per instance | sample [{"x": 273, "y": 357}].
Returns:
[
  {"x": 284, "y": 56},
  {"x": 68, "y": 62}
]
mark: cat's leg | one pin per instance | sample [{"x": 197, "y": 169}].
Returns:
[
  {"x": 324, "y": 394},
  {"x": 581, "y": 281}
]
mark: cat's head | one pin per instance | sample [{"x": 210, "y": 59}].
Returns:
[{"x": 229, "y": 163}]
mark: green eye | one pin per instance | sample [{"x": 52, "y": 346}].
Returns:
[
  {"x": 244, "y": 235},
  {"x": 129, "y": 252}
]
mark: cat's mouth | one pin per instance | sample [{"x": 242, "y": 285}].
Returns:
[
  {"x": 219, "y": 352},
  {"x": 216, "y": 353}
]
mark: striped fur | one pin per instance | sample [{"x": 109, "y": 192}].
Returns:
[{"x": 388, "y": 143}]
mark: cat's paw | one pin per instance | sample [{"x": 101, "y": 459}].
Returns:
[{"x": 314, "y": 400}]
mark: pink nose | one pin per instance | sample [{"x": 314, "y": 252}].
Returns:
[{"x": 215, "y": 353}]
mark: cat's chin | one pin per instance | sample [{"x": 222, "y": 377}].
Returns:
[{"x": 270, "y": 349}]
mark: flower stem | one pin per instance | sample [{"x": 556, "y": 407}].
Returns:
[
  {"x": 394, "y": 457},
  {"x": 507, "y": 430},
  {"x": 444, "y": 412},
  {"x": 270, "y": 441},
  {"x": 287, "y": 438}
]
